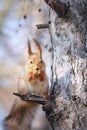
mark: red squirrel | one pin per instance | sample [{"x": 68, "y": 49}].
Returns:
[{"x": 35, "y": 81}]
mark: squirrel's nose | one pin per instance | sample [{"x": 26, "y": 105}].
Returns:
[{"x": 37, "y": 69}]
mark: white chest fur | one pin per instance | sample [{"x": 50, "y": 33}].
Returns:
[{"x": 38, "y": 87}]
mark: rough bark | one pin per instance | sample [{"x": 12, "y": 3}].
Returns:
[{"x": 68, "y": 33}]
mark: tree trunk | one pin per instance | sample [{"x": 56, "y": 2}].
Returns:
[{"x": 68, "y": 33}]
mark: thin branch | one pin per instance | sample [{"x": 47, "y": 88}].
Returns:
[
  {"x": 48, "y": 105},
  {"x": 32, "y": 98},
  {"x": 42, "y": 26}
]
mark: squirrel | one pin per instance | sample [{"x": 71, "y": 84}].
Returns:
[{"x": 35, "y": 81}]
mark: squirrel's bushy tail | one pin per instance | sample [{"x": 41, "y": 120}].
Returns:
[{"x": 21, "y": 116}]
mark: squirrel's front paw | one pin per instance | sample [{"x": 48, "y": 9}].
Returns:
[{"x": 46, "y": 96}]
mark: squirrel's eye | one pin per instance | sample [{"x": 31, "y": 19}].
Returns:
[{"x": 31, "y": 62}]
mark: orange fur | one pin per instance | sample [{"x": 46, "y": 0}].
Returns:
[{"x": 35, "y": 81}]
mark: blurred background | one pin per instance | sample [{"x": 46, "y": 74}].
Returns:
[{"x": 18, "y": 20}]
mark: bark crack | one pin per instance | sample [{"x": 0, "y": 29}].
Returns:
[{"x": 52, "y": 56}]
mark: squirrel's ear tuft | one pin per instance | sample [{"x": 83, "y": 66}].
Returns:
[
  {"x": 39, "y": 47},
  {"x": 29, "y": 48}
]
